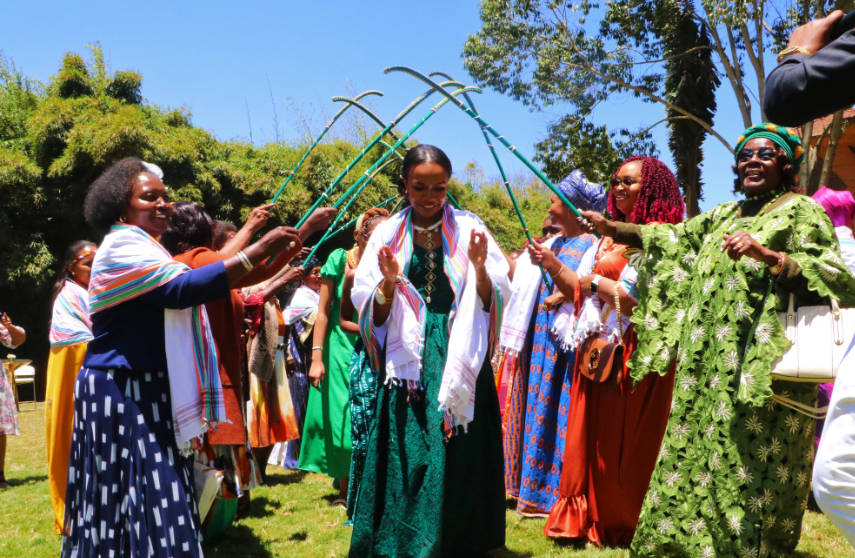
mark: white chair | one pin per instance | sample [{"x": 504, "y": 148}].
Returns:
[{"x": 27, "y": 375}]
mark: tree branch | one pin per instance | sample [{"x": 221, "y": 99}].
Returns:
[
  {"x": 691, "y": 50},
  {"x": 728, "y": 69},
  {"x": 590, "y": 67}
]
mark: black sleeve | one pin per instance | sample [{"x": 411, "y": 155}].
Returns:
[
  {"x": 803, "y": 88},
  {"x": 197, "y": 286}
]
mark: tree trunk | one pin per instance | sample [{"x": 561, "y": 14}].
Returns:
[
  {"x": 807, "y": 166},
  {"x": 831, "y": 150}
]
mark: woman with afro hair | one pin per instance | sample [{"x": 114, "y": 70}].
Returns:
[
  {"x": 614, "y": 428},
  {"x": 734, "y": 469}
]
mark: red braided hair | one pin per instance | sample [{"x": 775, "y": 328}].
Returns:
[
  {"x": 659, "y": 199},
  {"x": 370, "y": 215}
]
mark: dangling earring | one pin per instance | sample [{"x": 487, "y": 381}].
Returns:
[{"x": 123, "y": 219}]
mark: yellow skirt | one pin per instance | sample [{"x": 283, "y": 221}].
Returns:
[{"x": 63, "y": 365}]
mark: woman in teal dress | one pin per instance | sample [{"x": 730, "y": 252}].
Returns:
[
  {"x": 326, "y": 432},
  {"x": 363, "y": 382},
  {"x": 430, "y": 292}
]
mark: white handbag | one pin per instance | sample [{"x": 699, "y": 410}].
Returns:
[{"x": 820, "y": 336}]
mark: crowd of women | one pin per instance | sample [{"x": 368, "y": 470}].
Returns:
[{"x": 612, "y": 376}]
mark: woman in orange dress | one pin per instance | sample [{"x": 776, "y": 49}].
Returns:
[{"x": 614, "y": 432}]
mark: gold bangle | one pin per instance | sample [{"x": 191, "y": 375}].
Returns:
[{"x": 789, "y": 51}]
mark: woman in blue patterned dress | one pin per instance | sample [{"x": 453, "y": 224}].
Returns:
[
  {"x": 538, "y": 397},
  {"x": 149, "y": 386}
]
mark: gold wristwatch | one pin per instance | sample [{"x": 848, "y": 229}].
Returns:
[{"x": 792, "y": 50}]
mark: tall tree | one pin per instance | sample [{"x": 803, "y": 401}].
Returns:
[{"x": 546, "y": 52}]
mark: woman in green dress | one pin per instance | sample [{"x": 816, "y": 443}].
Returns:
[
  {"x": 430, "y": 291},
  {"x": 326, "y": 432},
  {"x": 733, "y": 474}
]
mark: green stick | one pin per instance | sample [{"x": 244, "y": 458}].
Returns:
[
  {"x": 318, "y": 139},
  {"x": 366, "y": 149},
  {"x": 505, "y": 180},
  {"x": 352, "y": 221},
  {"x": 367, "y": 177},
  {"x": 492, "y": 131}
]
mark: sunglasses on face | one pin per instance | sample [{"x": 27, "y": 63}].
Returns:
[
  {"x": 764, "y": 154},
  {"x": 628, "y": 181}
]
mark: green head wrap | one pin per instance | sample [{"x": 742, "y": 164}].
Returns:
[{"x": 780, "y": 136}]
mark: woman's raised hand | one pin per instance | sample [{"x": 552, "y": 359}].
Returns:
[
  {"x": 279, "y": 240},
  {"x": 595, "y": 221},
  {"x": 388, "y": 264},
  {"x": 478, "y": 249},
  {"x": 540, "y": 254},
  {"x": 258, "y": 217}
]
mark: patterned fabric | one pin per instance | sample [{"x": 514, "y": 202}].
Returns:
[
  {"x": 734, "y": 470},
  {"x": 547, "y": 399},
  {"x": 270, "y": 411},
  {"x": 783, "y": 137},
  {"x": 130, "y": 490},
  {"x": 131, "y": 263},
  {"x": 474, "y": 329},
  {"x": 326, "y": 432},
  {"x": 363, "y": 396},
  {"x": 584, "y": 195},
  {"x": 8, "y": 406},
  {"x": 420, "y": 495},
  {"x": 70, "y": 323},
  {"x": 303, "y": 303}
]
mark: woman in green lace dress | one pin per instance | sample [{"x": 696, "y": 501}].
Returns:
[
  {"x": 430, "y": 290},
  {"x": 733, "y": 473}
]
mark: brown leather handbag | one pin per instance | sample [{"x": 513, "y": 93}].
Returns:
[{"x": 602, "y": 362}]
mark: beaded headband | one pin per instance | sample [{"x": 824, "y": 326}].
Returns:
[{"x": 80, "y": 256}]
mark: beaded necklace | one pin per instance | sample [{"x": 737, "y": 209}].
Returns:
[
  {"x": 431, "y": 255},
  {"x": 353, "y": 257}
]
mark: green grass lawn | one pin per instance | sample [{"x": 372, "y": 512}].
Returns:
[{"x": 291, "y": 516}]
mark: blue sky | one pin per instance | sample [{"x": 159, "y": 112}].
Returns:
[{"x": 216, "y": 59}]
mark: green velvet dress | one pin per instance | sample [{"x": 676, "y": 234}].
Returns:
[
  {"x": 422, "y": 496},
  {"x": 326, "y": 433}
]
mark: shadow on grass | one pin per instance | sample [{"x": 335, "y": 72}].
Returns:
[
  {"x": 284, "y": 479},
  {"x": 299, "y": 536},
  {"x": 20, "y": 481},
  {"x": 239, "y": 541},
  {"x": 506, "y": 553},
  {"x": 259, "y": 506}
]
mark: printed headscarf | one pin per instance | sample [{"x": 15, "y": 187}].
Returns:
[
  {"x": 785, "y": 138},
  {"x": 585, "y": 195}
]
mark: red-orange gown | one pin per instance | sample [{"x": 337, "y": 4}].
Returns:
[{"x": 613, "y": 440}]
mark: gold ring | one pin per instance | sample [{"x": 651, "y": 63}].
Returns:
[{"x": 739, "y": 245}]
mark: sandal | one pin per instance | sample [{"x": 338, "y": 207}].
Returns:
[{"x": 342, "y": 502}]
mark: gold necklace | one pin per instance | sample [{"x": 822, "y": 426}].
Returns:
[
  {"x": 431, "y": 255},
  {"x": 428, "y": 233}
]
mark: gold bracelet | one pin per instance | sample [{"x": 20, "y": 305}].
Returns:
[{"x": 789, "y": 51}]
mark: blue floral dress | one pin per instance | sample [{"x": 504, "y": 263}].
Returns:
[{"x": 546, "y": 392}]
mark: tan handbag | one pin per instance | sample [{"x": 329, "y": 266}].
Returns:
[{"x": 602, "y": 362}]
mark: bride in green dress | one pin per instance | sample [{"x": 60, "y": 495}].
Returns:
[{"x": 430, "y": 289}]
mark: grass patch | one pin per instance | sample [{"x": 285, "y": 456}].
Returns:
[{"x": 290, "y": 516}]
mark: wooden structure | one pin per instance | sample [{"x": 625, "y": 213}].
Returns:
[{"x": 843, "y": 171}]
